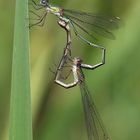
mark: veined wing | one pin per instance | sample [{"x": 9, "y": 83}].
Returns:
[
  {"x": 95, "y": 127},
  {"x": 93, "y": 24}
]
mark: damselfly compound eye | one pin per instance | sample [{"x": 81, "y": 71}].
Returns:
[{"x": 43, "y": 2}]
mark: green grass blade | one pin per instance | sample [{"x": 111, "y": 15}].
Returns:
[{"x": 20, "y": 109}]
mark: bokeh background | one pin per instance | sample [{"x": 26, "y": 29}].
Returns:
[{"x": 115, "y": 87}]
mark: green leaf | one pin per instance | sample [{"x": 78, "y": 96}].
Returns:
[{"x": 20, "y": 107}]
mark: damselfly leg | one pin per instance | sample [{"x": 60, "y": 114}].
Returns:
[{"x": 40, "y": 20}]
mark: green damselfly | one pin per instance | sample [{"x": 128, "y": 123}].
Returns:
[{"x": 87, "y": 23}]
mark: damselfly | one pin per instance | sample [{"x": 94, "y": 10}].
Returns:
[
  {"x": 94, "y": 124},
  {"x": 87, "y": 23}
]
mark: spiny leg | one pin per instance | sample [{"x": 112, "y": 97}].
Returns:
[
  {"x": 35, "y": 5},
  {"x": 39, "y": 17},
  {"x": 40, "y": 22}
]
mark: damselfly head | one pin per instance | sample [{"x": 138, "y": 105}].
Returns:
[
  {"x": 77, "y": 61},
  {"x": 44, "y": 2}
]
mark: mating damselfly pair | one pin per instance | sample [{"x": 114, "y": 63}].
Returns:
[{"x": 80, "y": 21}]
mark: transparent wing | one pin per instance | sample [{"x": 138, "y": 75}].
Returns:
[
  {"x": 95, "y": 127},
  {"x": 93, "y": 24}
]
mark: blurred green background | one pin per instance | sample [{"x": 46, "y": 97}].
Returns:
[{"x": 115, "y": 87}]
